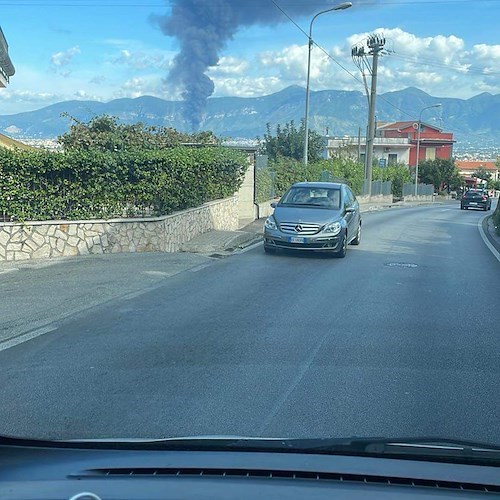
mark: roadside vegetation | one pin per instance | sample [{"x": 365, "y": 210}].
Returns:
[
  {"x": 496, "y": 219},
  {"x": 284, "y": 149},
  {"x": 110, "y": 170}
]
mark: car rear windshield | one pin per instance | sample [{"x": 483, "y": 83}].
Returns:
[
  {"x": 473, "y": 194},
  {"x": 312, "y": 197}
]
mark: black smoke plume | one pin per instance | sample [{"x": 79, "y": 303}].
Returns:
[{"x": 203, "y": 27}]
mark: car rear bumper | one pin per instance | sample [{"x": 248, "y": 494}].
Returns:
[{"x": 477, "y": 204}]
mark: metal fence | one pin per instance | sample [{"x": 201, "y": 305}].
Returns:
[
  {"x": 422, "y": 189},
  {"x": 378, "y": 188},
  {"x": 265, "y": 185}
]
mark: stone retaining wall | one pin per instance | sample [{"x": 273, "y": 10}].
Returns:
[
  {"x": 420, "y": 197},
  {"x": 375, "y": 199},
  {"x": 46, "y": 239}
]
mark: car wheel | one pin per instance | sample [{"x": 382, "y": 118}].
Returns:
[
  {"x": 269, "y": 249},
  {"x": 343, "y": 249},
  {"x": 357, "y": 240}
]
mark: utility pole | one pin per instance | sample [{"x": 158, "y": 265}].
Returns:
[
  {"x": 375, "y": 44},
  {"x": 359, "y": 143}
]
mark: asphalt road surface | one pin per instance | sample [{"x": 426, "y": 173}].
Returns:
[{"x": 400, "y": 338}]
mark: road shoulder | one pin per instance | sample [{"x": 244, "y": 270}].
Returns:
[{"x": 490, "y": 235}]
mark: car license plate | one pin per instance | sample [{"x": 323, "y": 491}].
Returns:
[
  {"x": 472, "y": 203},
  {"x": 296, "y": 239}
]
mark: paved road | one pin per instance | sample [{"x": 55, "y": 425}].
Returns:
[{"x": 399, "y": 338}]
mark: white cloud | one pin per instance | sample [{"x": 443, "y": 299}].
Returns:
[
  {"x": 10, "y": 95},
  {"x": 440, "y": 65},
  {"x": 63, "y": 58},
  {"x": 228, "y": 65},
  {"x": 143, "y": 60},
  {"x": 145, "y": 85},
  {"x": 247, "y": 86},
  {"x": 84, "y": 95}
]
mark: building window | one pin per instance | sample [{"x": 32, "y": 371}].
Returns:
[
  {"x": 430, "y": 153},
  {"x": 392, "y": 158}
]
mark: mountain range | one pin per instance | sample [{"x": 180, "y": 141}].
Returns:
[{"x": 335, "y": 112}]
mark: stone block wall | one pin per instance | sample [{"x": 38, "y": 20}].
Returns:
[{"x": 47, "y": 239}]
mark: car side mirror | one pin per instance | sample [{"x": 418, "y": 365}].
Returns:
[{"x": 274, "y": 204}]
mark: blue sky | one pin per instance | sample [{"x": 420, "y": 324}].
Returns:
[{"x": 106, "y": 49}]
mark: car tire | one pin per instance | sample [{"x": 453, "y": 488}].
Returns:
[
  {"x": 343, "y": 249},
  {"x": 357, "y": 240},
  {"x": 269, "y": 249}
]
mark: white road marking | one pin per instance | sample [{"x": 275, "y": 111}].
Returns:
[
  {"x": 157, "y": 273},
  {"x": 249, "y": 247},
  {"x": 200, "y": 267},
  {"x": 485, "y": 238},
  {"x": 25, "y": 337},
  {"x": 11, "y": 270}
]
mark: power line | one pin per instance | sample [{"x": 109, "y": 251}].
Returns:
[{"x": 335, "y": 61}]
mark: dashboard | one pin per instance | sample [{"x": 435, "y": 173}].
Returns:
[{"x": 83, "y": 472}]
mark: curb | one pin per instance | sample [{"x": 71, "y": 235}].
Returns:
[{"x": 492, "y": 241}]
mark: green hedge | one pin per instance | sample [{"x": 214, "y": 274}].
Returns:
[
  {"x": 283, "y": 172},
  {"x": 288, "y": 171},
  {"x": 44, "y": 185}
]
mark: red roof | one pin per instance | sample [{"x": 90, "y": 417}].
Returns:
[
  {"x": 473, "y": 165},
  {"x": 402, "y": 125}
]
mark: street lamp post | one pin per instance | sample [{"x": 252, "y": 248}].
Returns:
[
  {"x": 418, "y": 142},
  {"x": 341, "y": 6}
]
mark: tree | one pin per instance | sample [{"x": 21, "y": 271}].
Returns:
[
  {"x": 398, "y": 174},
  {"x": 442, "y": 173},
  {"x": 481, "y": 173},
  {"x": 494, "y": 185},
  {"x": 289, "y": 143},
  {"x": 104, "y": 133}
]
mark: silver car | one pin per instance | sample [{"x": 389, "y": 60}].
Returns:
[{"x": 319, "y": 216}]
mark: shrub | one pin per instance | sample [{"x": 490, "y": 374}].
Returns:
[{"x": 82, "y": 184}]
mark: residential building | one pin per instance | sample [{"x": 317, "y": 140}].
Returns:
[
  {"x": 396, "y": 142},
  {"x": 6, "y": 66},
  {"x": 467, "y": 168}
]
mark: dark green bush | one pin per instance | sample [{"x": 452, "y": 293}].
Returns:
[{"x": 82, "y": 184}]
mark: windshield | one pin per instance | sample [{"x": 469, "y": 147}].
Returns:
[
  {"x": 250, "y": 218},
  {"x": 313, "y": 197}
]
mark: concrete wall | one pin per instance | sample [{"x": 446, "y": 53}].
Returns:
[
  {"x": 246, "y": 207},
  {"x": 379, "y": 199},
  {"x": 420, "y": 197},
  {"x": 46, "y": 239},
  {"x": 265, "y": 208}
]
